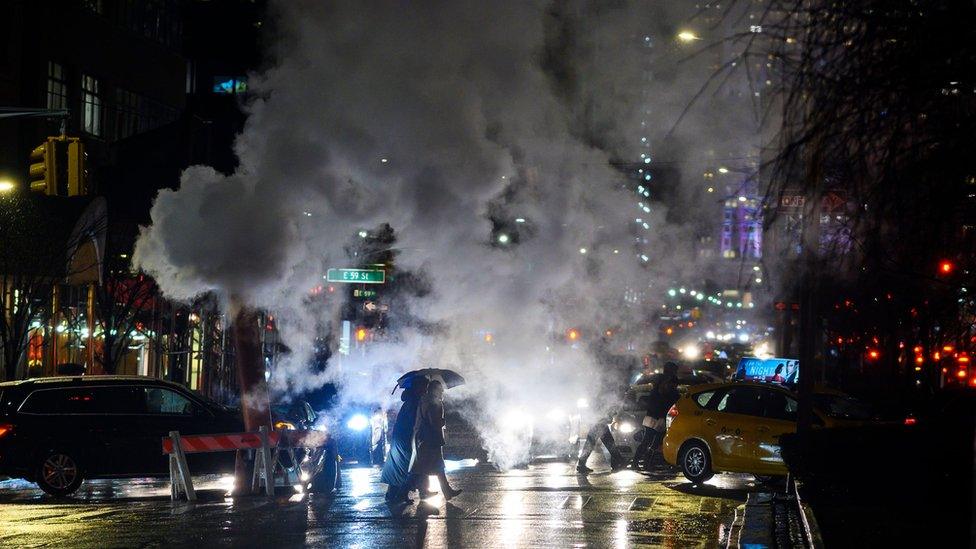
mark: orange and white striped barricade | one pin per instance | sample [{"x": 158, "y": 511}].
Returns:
[{"x": 177, "y": 446}]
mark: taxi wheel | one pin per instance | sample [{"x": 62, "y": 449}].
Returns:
[{"x": 696, "y": 462}]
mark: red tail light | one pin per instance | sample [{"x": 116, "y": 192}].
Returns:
[
  {"x": 6, "y": 429},
  {"x": 910, "y": 421},
  {"x": 673, "y": 412}
]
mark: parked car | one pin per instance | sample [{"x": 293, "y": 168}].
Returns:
[
  {"x": 736, "y": 426},
  {"x": 59, "y": 431}
]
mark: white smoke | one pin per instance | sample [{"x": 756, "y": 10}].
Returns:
[{"x": 438, "y": 118}]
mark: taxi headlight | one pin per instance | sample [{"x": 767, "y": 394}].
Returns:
[{"x": 627, "y": 428}]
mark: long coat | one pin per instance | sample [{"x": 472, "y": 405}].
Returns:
[
  {"x": 396, "y": 469},
  {"x": 428, "y": 436}
]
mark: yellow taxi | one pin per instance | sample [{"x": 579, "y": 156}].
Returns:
[{"x": 735, "y": 427}]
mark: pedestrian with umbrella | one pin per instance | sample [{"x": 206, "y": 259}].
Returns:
[
  {"x": 428, "y": 456},
  {"x": 396, "y": 469},
  {"x": 428, "y": 429}
]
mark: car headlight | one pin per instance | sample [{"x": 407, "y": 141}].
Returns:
[
  {"x": 626, "y": 427},
  {"x": 358, "y": 422},
  {"x": 283, "y": 425}
]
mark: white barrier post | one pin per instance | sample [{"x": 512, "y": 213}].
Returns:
[
  {"x": 263, "y": 465},
  {"x": 179, "y": 472}
]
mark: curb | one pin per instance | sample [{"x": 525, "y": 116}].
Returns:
[
  {"x": 775, "y": 520},
  {"x": 811, "y": 530}
]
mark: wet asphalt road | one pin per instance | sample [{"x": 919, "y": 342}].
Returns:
[{"x": 546, "y": 505}]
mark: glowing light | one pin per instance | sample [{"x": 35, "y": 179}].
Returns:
[
  {"x": 687, "y": 36},
  {"x": 744, "y": 338},
  {"x": 582, "y": 251},
  {"x": 363, "y": 234},
  {"x": 572, "y": 334},
  {"x": 6, "y": 186},
  {"x": 520, "y": 220},
  {"x": 723, "y": 170},
  {"x": 711, "y": 189},
  {"x": 690, "y": 351},
  {"x": 503, "y": 238},
  {"x": 358, "y": 422},
  {"x": 626, "y": 428},
  {"x": 488, "y": 337},
  {"x": 946, "y": 267},
  {"x": 384, "y": 160},
  {"x": 742, "y": 199},
  {"x": 361, "y": 334}
]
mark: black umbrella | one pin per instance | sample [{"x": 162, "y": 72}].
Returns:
[{"x": 450, "y": 378}]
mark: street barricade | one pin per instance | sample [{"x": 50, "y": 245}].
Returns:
[{"x": 265, "y": 443}]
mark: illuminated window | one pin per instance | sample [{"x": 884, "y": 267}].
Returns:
[
  {"x": 91, "y": 105},
  {"x": 57, "y": 90}
]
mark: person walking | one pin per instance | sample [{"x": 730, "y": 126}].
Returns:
[
  {"x": 377, "y": 439},
  {"x": 428, "y": 455},
  {"x": 396, "y": 469},
  {"x": 662, "y": 397},
  {"x": 601, "y": 431}
]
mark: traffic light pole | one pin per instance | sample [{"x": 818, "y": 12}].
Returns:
[{"x": 24, "y": 112}]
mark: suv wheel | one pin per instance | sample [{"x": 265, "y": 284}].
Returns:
[
  {"x": 58, "y": 474},
  {"x": 696, "y": 463}
]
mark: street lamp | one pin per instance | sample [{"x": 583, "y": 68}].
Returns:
[{"x": 7, "y": 186}]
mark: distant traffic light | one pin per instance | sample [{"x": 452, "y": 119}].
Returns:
[
  {"x": 572, "y": 334},
  {"x": 946, "y": 267},
  {"x": 361, "y": 334},
  {"x": 873, "y": 354},
  {"x": 58, "y": 167}
]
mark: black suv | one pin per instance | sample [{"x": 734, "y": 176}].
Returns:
[{"x": 58, "y": 431}]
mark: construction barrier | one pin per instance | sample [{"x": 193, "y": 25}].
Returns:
[{"x": 263, "y": 442}]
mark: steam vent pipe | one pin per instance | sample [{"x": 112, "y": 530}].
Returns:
[{"x": 255, "y": 402}]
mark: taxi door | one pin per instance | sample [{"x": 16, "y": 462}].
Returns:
[
  {"x": 733, "y": 428},
  {"x": 779, "y": 418}
]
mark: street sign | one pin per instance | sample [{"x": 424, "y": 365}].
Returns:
[
  {"x": 356, "y": 276},
  {"x": 363, "y": 293},
  {"x": 372, "y": 307}
]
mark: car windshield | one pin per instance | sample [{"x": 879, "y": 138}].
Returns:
[{"x": 842, "y": 407}]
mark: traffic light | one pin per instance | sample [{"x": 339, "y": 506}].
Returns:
[
  {"x": 58, "y": 167},
  {"x": 43, "y": 170},
  {"x": 77, "y": 168},
  {"x": 361, "y": 334},
  {"x": 572, "y": 334}
]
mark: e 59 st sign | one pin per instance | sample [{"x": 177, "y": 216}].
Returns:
[{"x": 357, "y": 276}]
